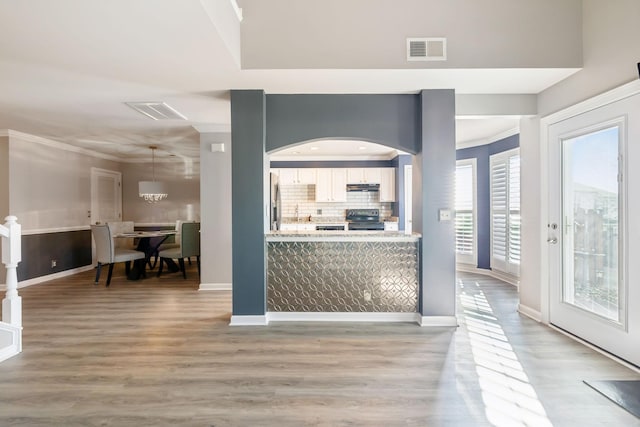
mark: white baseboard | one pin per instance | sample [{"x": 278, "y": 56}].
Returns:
[
  {"x": 36, "y": 280},
  {"x": 512, "y": 280},
  {"x": 249, "y": 320},
  {"x": 215, "y": 287},
  {"x": 339, "y": 317},
  {"x": 530, "y": 312},
  {"x": 436, "y": 321}
]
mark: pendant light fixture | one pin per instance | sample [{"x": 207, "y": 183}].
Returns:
[{"x": 152, "y": 191}]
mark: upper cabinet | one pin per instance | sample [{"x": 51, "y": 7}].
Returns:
[
  {"x": 363, "y": 176},
  {"x": 331, "y": 185},
  {"x": 387, "y": 184},
  {"x": 290, "y": 176}
]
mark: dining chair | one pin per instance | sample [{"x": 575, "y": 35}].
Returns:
[
  {"x": 172, "y": 243},
  {"x": 108, "y": 253},
  {"x": 119, "y": 227},
  {"x": 189, "y": 246}
]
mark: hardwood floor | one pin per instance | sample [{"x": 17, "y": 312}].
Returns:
[{"x": 158, "y": 352}]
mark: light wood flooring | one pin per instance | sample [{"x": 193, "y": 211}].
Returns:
[{"x": 158, "y": 352}]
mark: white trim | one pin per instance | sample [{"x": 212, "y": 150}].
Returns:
[
  {"x": 273, "y": 316},
  {"x": 436, "y": 321},
  {"x": 490, "y": 140},
  {"x": 213, "y": 127},
  {"x": 59, "y": 145},
  {"x": 59, "y": 275},
  {"x": 16, "y": 341},
  {"x": 530, "y": 312},
  {"x": 336, "y": 158},
  {"x": 55, "y": 230},
  {"x": 507, "y": 278},
  {"x": 605, "y": 98},
  {"x": 609, "y": 97},
  {"x": 237, "y": 9},
  {"x": 596, "y": 348},
  {"x": 249, "y": 320},
  {"x": 215, "y": 287}
]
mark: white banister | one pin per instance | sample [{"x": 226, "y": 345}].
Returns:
[{"x": 11, "y": 256}]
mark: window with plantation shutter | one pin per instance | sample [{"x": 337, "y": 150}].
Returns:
[
  {"x": 505, "y": 212},
  {"x": 465, "y": 212}
]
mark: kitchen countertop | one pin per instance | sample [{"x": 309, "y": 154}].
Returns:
[{"x": 341, "y": 236}]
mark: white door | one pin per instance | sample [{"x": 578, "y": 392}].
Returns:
[
  {"x": 594, "y": 290},
  {"x": 106, "y": 196}
]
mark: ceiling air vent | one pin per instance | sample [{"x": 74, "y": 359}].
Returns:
[
  {"x": 156, "y": 110},
  {"x": 427, "y": 49}
]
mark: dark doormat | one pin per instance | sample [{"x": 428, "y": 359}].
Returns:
[{"x": 624, "y": 393}]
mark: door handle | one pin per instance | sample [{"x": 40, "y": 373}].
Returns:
[{"x": 552, "y": 240}]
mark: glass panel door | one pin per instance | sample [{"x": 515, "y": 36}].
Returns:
[{"x": 591, "y": 200}]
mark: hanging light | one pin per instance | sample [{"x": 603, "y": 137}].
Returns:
[{"x": 152, "y": 191}]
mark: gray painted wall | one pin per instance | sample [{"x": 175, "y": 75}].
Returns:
[
  {"x": 248, "y": 184},
  {"x": 182, "y": 180},
  {"x": 215, "y": 202},
  {"x": 480, "y": 33},
  {"x": 297, "y": 118},
  {"x": 433, "y": 189},
  {"x": 44, "y": 195},
  {"x": 482, "y": 155},
  {"x": 610, "y": 39}
]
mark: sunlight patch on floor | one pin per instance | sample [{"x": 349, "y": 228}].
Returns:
[{"x": 508, "y": 397}]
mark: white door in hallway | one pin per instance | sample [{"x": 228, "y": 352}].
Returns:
[
  {"x": 106, "y": 196},
  {"x": 594, "y": 283}
]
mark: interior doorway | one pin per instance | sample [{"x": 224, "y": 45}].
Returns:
[{"x": 106, "y": 196}]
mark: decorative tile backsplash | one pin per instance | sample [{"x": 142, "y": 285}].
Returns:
[
  {"x": 304, "y": 197},
  {"x": 374, "y": 276}
]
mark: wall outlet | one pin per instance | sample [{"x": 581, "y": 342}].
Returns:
[
  {"x": 444, "y": 215},
  {"x": 319, "y": 212},
  {"x": 367, "y": 295},
  {"x": 54, "y": 263}
]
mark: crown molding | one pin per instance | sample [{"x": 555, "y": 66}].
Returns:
[
  {"x": 489, "y": 140},
  {"x": 212, "y": 128}
]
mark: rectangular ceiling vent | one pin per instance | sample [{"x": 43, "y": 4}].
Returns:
[
  {"x": 427, "y": 49},
  {"x": 156, "y": 110}
]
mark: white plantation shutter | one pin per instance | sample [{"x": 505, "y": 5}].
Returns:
[
  {"x": 465, "y": 212},
  {"x": 505, "y": 212}
]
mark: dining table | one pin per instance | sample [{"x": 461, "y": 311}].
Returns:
[{"x": 147, "y": 242}]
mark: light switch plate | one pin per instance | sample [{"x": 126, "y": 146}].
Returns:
[
  {"x": 444, "y": 215},
  {"x": 217, "y": 147}
]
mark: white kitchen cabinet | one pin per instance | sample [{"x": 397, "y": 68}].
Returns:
[
  {"x": 363, "y": 175},
  {"x": 289, "y": 176},
  {"x": 387, "y": 184},
  {"x": 331, "y": 185},
  {"x": 390, "y": 226}
]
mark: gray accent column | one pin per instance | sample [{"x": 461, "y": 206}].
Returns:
[
  {"x": 247, "y": 162},
  {"x": 433, "y": 189},
  {"x": 215, "y": 202}
]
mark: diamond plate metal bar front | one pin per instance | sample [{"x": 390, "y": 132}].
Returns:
[{"x": 372, "y": 276}]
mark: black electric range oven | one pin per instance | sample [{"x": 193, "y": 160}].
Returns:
[{"x": 364, "y": 219}]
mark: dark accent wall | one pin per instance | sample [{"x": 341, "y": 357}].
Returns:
[
  {"x": 333, "y": 164},
  {"x": 247, "y": 205},
  {"x": 391, "y": 120},
  {"x": 434, "y": 168},
  {"x": 70, "y": 249},
  {"x": 483, "y": 191},
  {"x": 423, "y": 124}
]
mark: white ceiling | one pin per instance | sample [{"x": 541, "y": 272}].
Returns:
[{"x": 68, "y": 67}]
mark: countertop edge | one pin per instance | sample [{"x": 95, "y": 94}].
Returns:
[{"x": 386, "y": 236}]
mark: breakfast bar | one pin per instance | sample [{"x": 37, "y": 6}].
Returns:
[{"x": 342, "y": 272}]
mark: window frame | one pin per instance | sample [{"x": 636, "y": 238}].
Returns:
[{"x": 469, "y": 259}]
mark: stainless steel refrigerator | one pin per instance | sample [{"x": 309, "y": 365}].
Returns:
[{"x": 275, "y": 210}]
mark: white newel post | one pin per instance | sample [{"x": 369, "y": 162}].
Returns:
[{"x": 11, "y": 256}]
